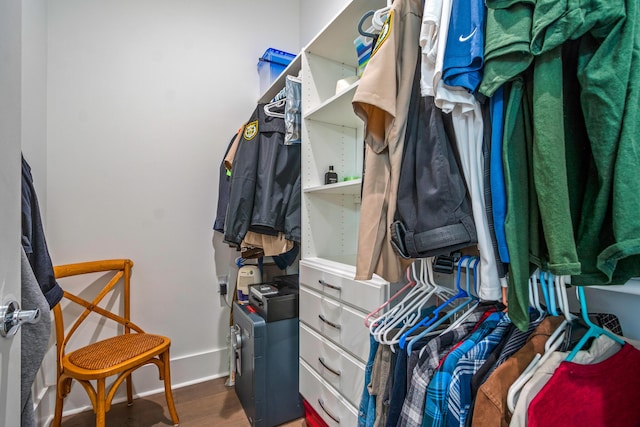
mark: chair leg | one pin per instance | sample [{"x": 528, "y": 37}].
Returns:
[
  {"x": 62, "y": 390},
  {"x": 129, "y": 390},
  {"x": 57, "y": 418},
  {"x": 101, "y": 404},
  {"x": 167, "y": 387}
]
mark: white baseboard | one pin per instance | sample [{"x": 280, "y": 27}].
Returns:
[{"x": 185, "y": 370}]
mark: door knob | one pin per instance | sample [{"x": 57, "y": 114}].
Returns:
[{"x": 11, "y": 318}]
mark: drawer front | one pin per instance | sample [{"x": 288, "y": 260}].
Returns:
[
  {"x": 334, "y": 409},
  {"x": 336, "y": 367},
  {"x": 339, "y": 283},
  {"x": 341, "y": 324}
]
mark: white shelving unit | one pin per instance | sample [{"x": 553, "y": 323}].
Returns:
[
  {"x": 334, "y": 341},
  {"x": 332, "y": 304}
]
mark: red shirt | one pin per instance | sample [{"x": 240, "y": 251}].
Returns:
[{"x": 603, "y": 394}]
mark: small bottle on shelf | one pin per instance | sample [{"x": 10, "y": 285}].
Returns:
[{"x": 330, "y": 177}]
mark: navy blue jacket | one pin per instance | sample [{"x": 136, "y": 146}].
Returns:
[{"x": 33, "y": 240}]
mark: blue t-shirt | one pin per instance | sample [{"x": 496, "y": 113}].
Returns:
[{"x": 464, "y": 51}]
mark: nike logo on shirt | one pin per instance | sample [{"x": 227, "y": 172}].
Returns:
[{"x": 464, "y": 39}]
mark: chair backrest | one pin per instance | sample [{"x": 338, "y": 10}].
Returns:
[{"x": 122, "y": 270}]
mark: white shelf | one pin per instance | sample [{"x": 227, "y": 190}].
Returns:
[
  {"x": 335, "y": 41},
  {"x": 632, "y": 287},
  {"x": 337, "y": 110},
  {"x": 332, "y": 134},
  {"x": 351, "y": 187}
]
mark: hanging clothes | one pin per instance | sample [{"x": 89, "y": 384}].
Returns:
[
  {"x": 382, "y": 102},
  {"x": 464, "y": 110},
  {"x": 367, "y": 410},
  {"x": 490, "y": 408},
  {"x": 414, "y": 405},
  {"x": 35, "y": 339},
  {"x": 264, "y": 196},
  {"x": 433, "y": 215},
  {"x": 34, "y": 242},
  {"x": 498, "y": 191},
  {"x": 617, "y": 381},
  {"x": 224, "y": 182},
  {"x": 521, "y": 221},
  {"x": 601, "y": 349},
  {"x": 464, "y": 54},
  {"x": 436, "y": 403},
  {"x": 460, "y": 399}
]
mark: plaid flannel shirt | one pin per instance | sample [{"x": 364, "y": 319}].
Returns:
[
  {"x": 460, "y": 396},
  {"x": 435, "y": 349},
  {"x": 438, "y": 389}
]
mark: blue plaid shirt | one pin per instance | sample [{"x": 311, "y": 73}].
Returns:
[
  {"x": 460, "y": 396},
  {"x": 413, "y": 406},
  {"x": 438, "y": 389}
]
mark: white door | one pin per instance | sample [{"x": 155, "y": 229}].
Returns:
[{"x": 10, "y": 197}]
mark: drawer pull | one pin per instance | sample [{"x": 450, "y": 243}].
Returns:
[
  {"x": 333, "y": 417},
  {"x": 333, "y": 371},
  {"x": 333, "y": 325},
  {"x": 329, "y": 285}
]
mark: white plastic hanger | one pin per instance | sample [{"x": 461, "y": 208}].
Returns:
[
  {"x": 534, "y": 295},
  {"x": 401, "y": 332},
  {"x": 374, "y": 314},
  {"x": 411, "y": 309},
  {"x": 405, "y": 308},
  {"x": 275, "y": 104},
  {"x": 469, "y": 309},
  {"x": 553, "y": 343},
  {"x": 388, "y": 316},
  {"x": 433, "y": 321}
]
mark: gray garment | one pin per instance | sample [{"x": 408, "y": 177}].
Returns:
[
  {"x": 35, "y": 339},
  {"x": 379, "y": 378},
  {"x": 433, "y": 215}
]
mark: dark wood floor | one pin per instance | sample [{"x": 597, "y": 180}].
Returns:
[{"x": 208, "y": 404}]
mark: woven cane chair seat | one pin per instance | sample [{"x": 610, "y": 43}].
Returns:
[{"x": 114, "y": 351}]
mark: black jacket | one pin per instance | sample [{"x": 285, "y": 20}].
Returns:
[
  {"x": 34, "y": 242},
  {"x": 265, "y": 182}
]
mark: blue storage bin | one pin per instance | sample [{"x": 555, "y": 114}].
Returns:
[{"x": 271, "y": 64}]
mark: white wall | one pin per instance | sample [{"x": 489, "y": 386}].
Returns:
[
  {"x": 34, "y": 94},
  {"x": 315, "y": 15},
  {"x": 142, "y": 99}
]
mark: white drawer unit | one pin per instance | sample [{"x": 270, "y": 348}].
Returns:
[
  {"x": 334, "y": 342},
  {"x": 336, "y": 280},
  {"x": 339, "y": 323},
  {"x": 333, "y": 408},
  {"x": 342, "y": 371}
]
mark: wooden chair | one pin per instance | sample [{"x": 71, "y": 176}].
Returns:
[{"x": 119, "y": 355}]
